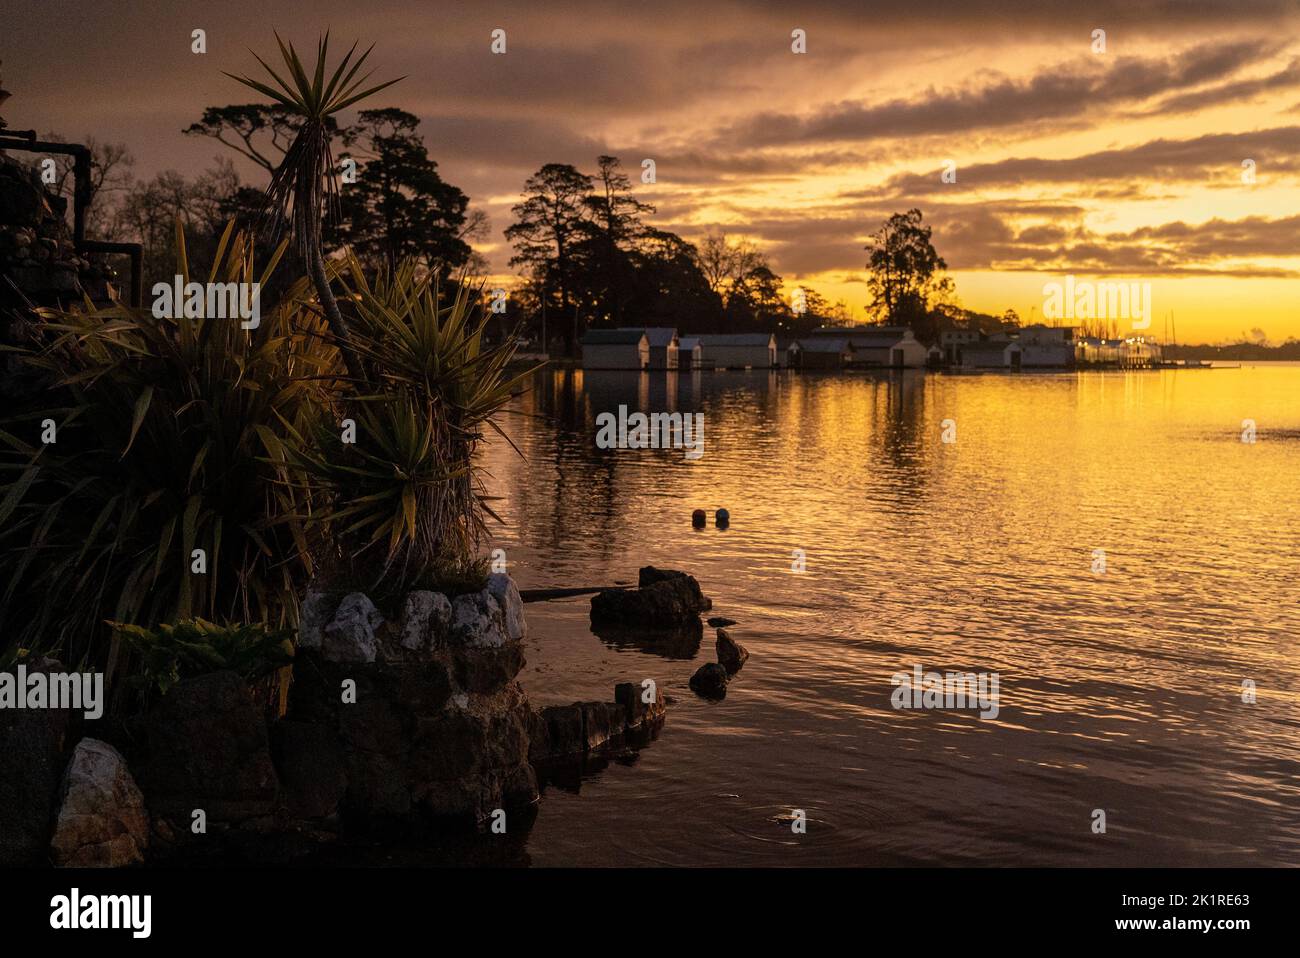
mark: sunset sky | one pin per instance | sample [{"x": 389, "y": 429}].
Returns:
[{"x": 1126, "y": 164}]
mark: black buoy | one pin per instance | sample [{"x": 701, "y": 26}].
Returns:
[
  {"x": 723, "y": 518},
  {"x": 698, "y": 518}
]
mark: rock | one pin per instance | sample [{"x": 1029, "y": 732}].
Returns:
[
  {"x": 477, "y": 620},
  {"x": 717, "y": 622},
  {"x": 561, "y": 731},
  {"x": 208, "y": 748},
  {"x": 465, "y": 764},
  {"x": 636, "y": 710},
  {"x": 32, "y": 762},
  {"x": 595, "y": 725},
  {"x": 731, "y": 654},
  {"x": 564, "y": 729},
  {"x": 416, "y": 742},
  {"x": 649, "y": 575},
  {"x": 539, "y": 739},
  {"x": 486, "y": 670},
  {"x": 317, "y": 610},
  {"x": 309, "y": 767},
  {"x": 665, "y": 600},
  {"x": 504, "y": 591},
  {"x": 102, "y": 820},
  {"x": 710, "y": 681},
  {"x": 350, "y": 637},
  {"x": 426, "y": 620}
]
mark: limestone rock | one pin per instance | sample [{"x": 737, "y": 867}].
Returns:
[
  {"x": 317, "y": 610},
  {"x": 477, "y": 620},
  {"x": 503, "y": 589},
  {"x": 102, "y": 821},
  {"x": 351, "y": 636},
  {"x": 426, "y": 619}
]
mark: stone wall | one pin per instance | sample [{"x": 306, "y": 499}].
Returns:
[{"x": 396, "y": 724}]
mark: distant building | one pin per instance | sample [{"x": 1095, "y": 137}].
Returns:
[
  {"x": 663, "y": 345},
  {"x": 1040, "y": 346},
  {"x": 615, "y": 349},
  {"x": 876, "y": 345},
  {"x": 822, "y": 352},
  {"x": 955, "y": 342},
  {"x": 690, "y": 354},
  {"x": 887, "y": 348},
  {"x": 784, "y": 346},
  {"x": 989, "y": 354},
  {"x": 740, "y": 350}
]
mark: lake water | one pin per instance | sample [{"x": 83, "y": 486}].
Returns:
[{"x": 1118, "y": 690}]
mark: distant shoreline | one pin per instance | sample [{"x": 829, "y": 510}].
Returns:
[{"x": 1237, "y": 352}]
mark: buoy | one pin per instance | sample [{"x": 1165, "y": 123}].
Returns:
[
  {"x": 698, "y": 518},
  {"x": 722, "y": 517}
]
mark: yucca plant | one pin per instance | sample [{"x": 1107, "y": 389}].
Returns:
[
  {"x": 404, "y": 501},
  {"x": 166, "y": 431},
  {"x": 305, "y": 184}
]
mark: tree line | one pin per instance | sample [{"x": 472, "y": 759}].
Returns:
[{"x": 586, "y": 253}]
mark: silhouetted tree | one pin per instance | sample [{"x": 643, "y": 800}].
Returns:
[
  {"x": 611, "y": 231},
  {"x": 904, "y": 273},
  {"x": 755, "y": 302},
  {"x": 305, "y": 182},
  {"x": 550, "y": 224},
  {"x": 668, "y": 288},
  {"x": 399, "y": 206}
]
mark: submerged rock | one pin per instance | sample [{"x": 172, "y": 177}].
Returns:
[
  {"x": 718, "y": 622},
  {"x": 679, "y": 642},
  {"x": 666, "y": 599},
  {"x": 710, "y": 681},
  {"x": 731, "y": 654},
  {"x": 649, "y": 575},
  {"x": 562, "y": 733},
  {"x": 596, "y": 729},
  {"x": 102, "y": 820},
  {"x": 636, "y": 710}
]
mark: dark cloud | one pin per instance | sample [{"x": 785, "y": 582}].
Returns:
[
  {"x": 1053, "y": 94},
  {"x": 734, "y": 122},
  {"x": 1235, "y": 93},
  {"x": 1215, "y": 156}
]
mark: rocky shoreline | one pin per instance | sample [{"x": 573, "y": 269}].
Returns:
[{"x": 395, "y": 726}]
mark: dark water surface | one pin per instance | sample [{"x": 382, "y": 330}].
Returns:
[{"x": 1119, "y": 690}]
